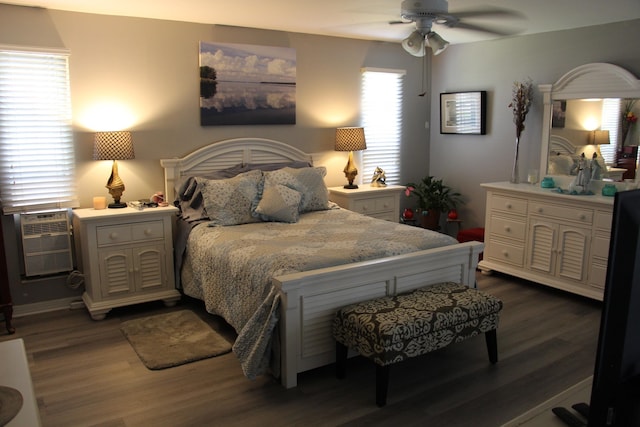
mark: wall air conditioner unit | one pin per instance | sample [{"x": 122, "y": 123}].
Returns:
[{"x": 46, "y": 242}]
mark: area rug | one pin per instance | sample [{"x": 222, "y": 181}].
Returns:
[{"x": 171, "y": 339}]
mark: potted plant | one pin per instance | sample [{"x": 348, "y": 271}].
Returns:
[{"x": 434, "y": 197}]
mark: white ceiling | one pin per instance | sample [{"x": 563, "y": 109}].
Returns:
[{"x": 362, "y": 19}]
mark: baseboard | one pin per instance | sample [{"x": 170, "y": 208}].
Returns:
[{"x": 47, "y": 306}]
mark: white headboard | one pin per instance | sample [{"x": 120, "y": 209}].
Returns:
[
  {"x": 561, "y": 145},
  {"x": 225, "y": 154}
]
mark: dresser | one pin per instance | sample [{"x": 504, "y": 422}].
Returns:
[
  {"x": 558, "y": 240},
  {"x": 377, "y": 202},
  {"x": 125, "y": 256}
]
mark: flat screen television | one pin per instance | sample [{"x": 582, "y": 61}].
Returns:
[{"x": 615, "y": 393}]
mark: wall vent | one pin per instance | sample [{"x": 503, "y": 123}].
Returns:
[{"x": 46, "y": 242}]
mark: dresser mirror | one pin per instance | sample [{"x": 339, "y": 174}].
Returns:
[{"x": 573, "y": 110}]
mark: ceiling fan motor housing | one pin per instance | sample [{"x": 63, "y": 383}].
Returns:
[{"x": 415, "y": 9}]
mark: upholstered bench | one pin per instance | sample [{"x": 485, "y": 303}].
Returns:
[{"x": 390, "y": 329}]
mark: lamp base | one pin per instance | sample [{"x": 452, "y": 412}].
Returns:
[
  {"x": 117, "y": 205},
  {"x": 350, "y": 186}
]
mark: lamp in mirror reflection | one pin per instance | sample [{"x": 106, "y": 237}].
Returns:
[
  {"x": 114, "y": 146},
  {"x": 598, "y": 137},
  {"x": 350, "y": 139}
]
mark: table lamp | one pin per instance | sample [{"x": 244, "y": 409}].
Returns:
[
  {"x": 350, "y": 139},
  {"x": 114, "y": 146}
]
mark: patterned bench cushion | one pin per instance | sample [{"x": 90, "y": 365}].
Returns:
[{"x": 393, "y": 328}]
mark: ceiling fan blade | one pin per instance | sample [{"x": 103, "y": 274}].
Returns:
[
  {"x": 400, "y": 22},
  {"x": 484, "y": 29},
  {"x": 490, "y": 12}
]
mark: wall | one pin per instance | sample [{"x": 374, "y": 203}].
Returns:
[
  {"x": 148, "y": 69},
  {"x": 466, "y": 161}
]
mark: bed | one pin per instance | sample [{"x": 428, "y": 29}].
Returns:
[{"x": 283, "y": 311}]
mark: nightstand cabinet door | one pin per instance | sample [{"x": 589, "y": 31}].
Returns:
[{"x": 126, "y": 257}]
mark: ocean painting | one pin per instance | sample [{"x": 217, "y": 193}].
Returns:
[{"x": 247, "y": 85}]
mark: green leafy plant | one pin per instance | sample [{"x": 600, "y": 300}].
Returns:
[{"x": 433, "y": 194}]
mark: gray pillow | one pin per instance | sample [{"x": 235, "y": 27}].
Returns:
[
  {"x": 231, "y": 201},
  {"x": 307, "y": 181},
  {"x": 279, "y": 203}
]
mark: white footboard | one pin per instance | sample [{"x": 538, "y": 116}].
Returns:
[{"x": 310, "y": 299}]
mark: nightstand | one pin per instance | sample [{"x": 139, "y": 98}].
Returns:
[
  {"x": 378, "y": 202},
  {"x": 126, "y": 257}
]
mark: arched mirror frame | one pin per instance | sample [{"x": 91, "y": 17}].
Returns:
[{"x": 596, "y": 80}]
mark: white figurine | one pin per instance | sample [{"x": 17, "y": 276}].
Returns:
[{"x": 379, "y": 178}]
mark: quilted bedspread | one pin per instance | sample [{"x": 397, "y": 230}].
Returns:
[{"x": 230, "y": 268}]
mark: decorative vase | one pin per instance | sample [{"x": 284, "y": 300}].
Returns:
[
  {"x": 515, "y": 176},
  {"x": 453, "y": 214},
  {"x": 609, "y": 190},
  {"x": 408, "y": 213}
]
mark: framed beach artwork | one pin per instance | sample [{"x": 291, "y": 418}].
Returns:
[{"x": 244, "y": 84}]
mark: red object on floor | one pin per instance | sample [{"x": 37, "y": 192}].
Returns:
[{"x": 470, "y": 235}]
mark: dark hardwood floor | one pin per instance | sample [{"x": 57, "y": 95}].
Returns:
[{"x": 86, "y": 374}]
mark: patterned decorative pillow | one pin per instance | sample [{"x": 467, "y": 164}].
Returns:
[
  {"x": 279, "y": 203},
  {"x": 307, "y": 181},
  {"x": 231, "y": 201}
]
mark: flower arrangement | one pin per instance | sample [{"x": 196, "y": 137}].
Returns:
[
  {"x": 522, "y": 93},
  {"x": 433, "y": 194},
  {"x": 628, "y": 119}
]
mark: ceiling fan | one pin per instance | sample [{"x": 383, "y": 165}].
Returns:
[{"x": 425, "y": 13}]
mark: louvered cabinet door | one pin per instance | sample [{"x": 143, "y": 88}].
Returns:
[{"x": 149, "y": 268}]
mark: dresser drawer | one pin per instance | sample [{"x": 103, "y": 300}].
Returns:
[
  {"x": 118, "y": 234},
  {"x": 603, "y": 220},
  {"x": 507, "y": 227},
  {"x": 583, "y": 216},
  {"x": 508, "y": 204},
  {"x": 600, "y": 246},
  {"x": 505, "y": 252}
]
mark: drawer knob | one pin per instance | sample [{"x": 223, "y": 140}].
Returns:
[
  {"x": 147, "y": 232},
  {"x": 505, "y": 254},
  {"x": 113, "y": 235},
  {"x": 507, "y": 229},
  {"x": 540, "y": 210},
  {"x": 508, "y": 205},
  {"x": 583, "y": 217}
]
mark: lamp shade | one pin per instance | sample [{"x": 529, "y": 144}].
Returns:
[
  {"x": 350, "y": 139},
  {"x": 113, "y": 146},
  {"x": 414, "y": 44},
  {"x": 436, "y": 43},
  {"x": 599, "y": 137}
]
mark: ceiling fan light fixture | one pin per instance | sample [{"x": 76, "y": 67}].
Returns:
[
  {"x": 414, "y": 44},
  {"x": 436, "y": 43}
]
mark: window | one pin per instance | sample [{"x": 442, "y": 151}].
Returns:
[
  {"x": 611, "y": 110},
  {"x": 382, "y": 92},
  {"x": 37, "y": 164}
]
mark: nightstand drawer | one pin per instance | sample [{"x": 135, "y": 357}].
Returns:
[
  {"x": 117, "y": 234},
  {"x": 370, "y": 206}
]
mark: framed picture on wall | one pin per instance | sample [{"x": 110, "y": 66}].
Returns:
[{"x": 463, "y": 113}]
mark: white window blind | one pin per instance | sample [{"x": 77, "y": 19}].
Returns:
[
  {"x": 382, "y": 92},
  {"x": 37, "y": 163},
  {"x": 611, "y": 111}
]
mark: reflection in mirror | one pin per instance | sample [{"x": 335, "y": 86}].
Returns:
[{"x": 592, "y": 126}]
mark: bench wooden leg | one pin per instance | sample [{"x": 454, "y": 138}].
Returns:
[
  {"x": 341, "y": 360},
  {"x": 492, "y": 345},
  {"x": 382, "y": 384}
]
